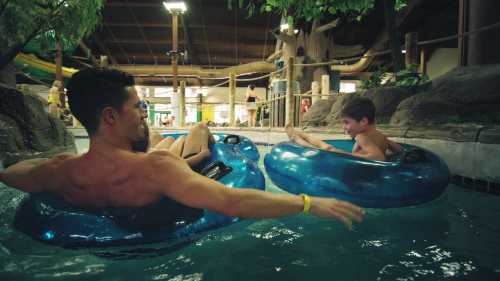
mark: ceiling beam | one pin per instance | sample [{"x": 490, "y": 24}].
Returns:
[
  {"x": 222, "y": 60},
  {"x": 219, "y": 28},
  {"x": 216, "y": 45}
]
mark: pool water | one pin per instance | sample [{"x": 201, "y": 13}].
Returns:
[{"x": 454, "y": 237}]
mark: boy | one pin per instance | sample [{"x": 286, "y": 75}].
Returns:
[{"x": 358, "y": 119}]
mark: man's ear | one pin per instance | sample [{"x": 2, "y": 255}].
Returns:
[
  {"x": 109, "y": 115},
  {"x": 364, "y": 121}
]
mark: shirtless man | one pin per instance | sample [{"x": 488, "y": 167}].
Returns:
[
  {"x": 358, "y": 119},
  {"x": 110, "y": 174}
]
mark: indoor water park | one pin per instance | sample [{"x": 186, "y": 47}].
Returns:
[{"x": 249, "y": 140}]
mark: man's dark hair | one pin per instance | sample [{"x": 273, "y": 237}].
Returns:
[
  {"x": 358, "y": 108},
  {"x": 93, "y": 89}
]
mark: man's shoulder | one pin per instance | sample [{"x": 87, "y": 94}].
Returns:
[{"x": 155, "y": 159}]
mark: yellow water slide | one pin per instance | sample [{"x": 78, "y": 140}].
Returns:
[{"x": 31, "y": 61}]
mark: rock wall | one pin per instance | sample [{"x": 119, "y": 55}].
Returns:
[
  {"x": 27, "y": 130},
  {"x": 465, "y": 95}
]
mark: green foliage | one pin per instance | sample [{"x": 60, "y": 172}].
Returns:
[
  {"x": 312, "y": 9},
  {"x": 408, "y": 77},
  {"x": 375, "y": 79},
  {"x": 37, "y": 22}
]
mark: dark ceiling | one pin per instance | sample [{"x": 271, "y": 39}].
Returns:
[{"x": 140, "y": 32}]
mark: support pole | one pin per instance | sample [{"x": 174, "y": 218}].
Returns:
[
  {"x": 315, "y": 92},
  {"x": 411, "y": 56},
  {"x": 463, "y": 7},
  {"x": 182, "y": 105},
  {"x": 59, "y": 75},
  {"x": 232, "y": 95},
  {"x": 174, "y": 50},
  {"x": 325, "y": 87},
  {"x": 423, "y": 61},
  {"x": 289, "y": 108}
]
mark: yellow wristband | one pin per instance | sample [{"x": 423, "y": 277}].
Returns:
[{"x": 307, "y": 203}]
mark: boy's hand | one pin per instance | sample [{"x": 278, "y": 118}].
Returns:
[{"x": 331, "y": 149}]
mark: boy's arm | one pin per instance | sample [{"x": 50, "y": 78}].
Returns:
[
  {"x": 394, "y": 147},
  {"x": 369, "y": 150},
  {"x": 177, "y": 181},
  {"x": 29, "y": 175}
]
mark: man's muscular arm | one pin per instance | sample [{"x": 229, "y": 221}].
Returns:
[
  {"x": 174, "y": 179},
  {"x": 34, "y": 175}
]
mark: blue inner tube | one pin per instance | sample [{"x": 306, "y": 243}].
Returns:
[
  {"x": 46, "y": 217},
  {"x": 413, "y": 177}
]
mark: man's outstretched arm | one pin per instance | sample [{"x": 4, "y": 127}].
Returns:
[
  {"x": 25, "y": 175},
  {"x": 194, "y": 190}
]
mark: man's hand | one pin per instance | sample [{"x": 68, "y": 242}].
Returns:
[{"x": 338, "y": 209}]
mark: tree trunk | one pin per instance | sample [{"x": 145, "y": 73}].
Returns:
[
  {"x": 482, "y": 48},
  {"x": 59, "y": 74},
  {"x": 392, "y": 30}
]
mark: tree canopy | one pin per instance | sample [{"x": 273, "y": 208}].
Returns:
[
  {"x": 38, "y": 21},
  {"x": 311, "y": 9}
]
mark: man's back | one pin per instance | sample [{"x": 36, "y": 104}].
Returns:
[{"x": 115, "y": 179}]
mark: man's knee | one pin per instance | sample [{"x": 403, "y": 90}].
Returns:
[{"x": 200, "y": 127}]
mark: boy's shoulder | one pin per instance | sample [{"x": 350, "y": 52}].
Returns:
[{"x": 371, "y": 136}]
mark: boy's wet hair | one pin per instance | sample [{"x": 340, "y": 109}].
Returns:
[
  {"x": 93, "y": 89},
  {"x": 358, "y": 108}
]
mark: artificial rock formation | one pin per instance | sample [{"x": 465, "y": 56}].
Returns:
[
  {"x": 316, "y": 116},
  {"x": 463, "y": 95},
  {"x": 27, "y": 130}
]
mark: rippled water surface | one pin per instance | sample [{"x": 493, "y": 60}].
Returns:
[{"x": 452, "y": 238}]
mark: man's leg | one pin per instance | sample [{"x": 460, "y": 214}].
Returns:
[
  {"x": 197, "y": 140},
  {"x": 177, "y": 146},
  {"x": 304, "y": 139},
  {"x": 196, "y": 144},
  {"x": 154, "y": 139},
  {"x": 165, "y": 143}
]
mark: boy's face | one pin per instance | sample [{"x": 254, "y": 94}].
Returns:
[{"x": 353, "y": 127}]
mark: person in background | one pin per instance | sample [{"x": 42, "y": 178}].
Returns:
[
  {"x": 251, "y": 99},
  {"x": 305, "y": 104},
  {"x": 53, "y": 98}
]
